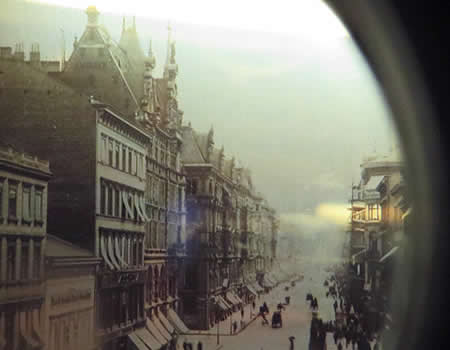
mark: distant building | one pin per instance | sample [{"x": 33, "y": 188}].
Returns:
[
  {"x": 230, "y": 233},
  {"x": 23, "y": 227}
]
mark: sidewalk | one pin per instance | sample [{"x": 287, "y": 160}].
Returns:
[{"x": 225, "y": 326}]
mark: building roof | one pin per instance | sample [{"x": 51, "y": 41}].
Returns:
[
  {"x": 191, "y": 150},
  {"x": 57, "y": 247},
  {"x": 8, "y": 155}
]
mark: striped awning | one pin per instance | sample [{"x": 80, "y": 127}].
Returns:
[
  {"x": 388, "y": 254},
  {"x": 177, "y": 322},
  {"x": 148, "y": 339}
]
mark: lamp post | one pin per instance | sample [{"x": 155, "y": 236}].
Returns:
[{"x": 218, "y": 321}]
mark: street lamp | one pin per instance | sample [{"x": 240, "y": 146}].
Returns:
[{"x": 217, "y": 319}]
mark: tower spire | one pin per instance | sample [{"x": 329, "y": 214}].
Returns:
[{"x": 169, "y": 38}]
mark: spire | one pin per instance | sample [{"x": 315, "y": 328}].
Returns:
[
  {"x": 169, "y": 32},
  {"x": 150, "y": 50},
  {"x": 92, "y": 14}
]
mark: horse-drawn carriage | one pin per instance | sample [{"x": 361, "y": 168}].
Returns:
[{"x": 277, "y": 322}]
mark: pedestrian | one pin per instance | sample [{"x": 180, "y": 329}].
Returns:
[
  {"x": 335, "y": 305},
  {"x": 242, "y": 312},
  {"x": 341, "y": 305},
  {"x": 254, "y": 305},
  {"x": 339, "y": 346},
  {"x": 199, "y": 345},
  {"x": 291, "y": 342},
  {"x": 234, "y": 326},
  {"x": 335, "y": 336}
]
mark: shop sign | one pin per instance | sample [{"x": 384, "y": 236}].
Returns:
[{"x": 71, "y": 296}]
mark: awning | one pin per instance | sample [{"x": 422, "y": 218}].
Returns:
[
  {"x": 162, "y": 329},
  {"x": 177, "y": 321},
  {"x": 148, "y": 339},
  {"x": 230, "y": 296},
  {"x": 227, "y": 304},
  {"x": 408, "y": 212},
  {"x": 258, "y": 288},
  {"x": 127, "y": 204},
  {"x": 136, "y": 343},
  {"x": 373, "y": 182},
  {"x": 28, "y": 339},
  {"x": 103, "y": 252},
  {"x": 112, "y": 256},
  {"x": 118, "y": 253},
  {"x": 143, "y": 207},
  {"x": 388, "y": 254},
  {"x": 165, "y": 322},
  {"x": 155, "y": 332},
  {"x": 251, "y": 290},
  {"x": 137, "y": 205},
  {"x": 239, "y": 300}
]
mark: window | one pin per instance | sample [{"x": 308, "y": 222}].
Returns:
[
  {"x": 116, "y": 202},
  {"x": 124, "y": 158},
  {"x": 11, "y": 260},
  {"x": 12, "y": 200},
  {"x": 117, "y": 154},
  {"x": 136, "y": 167},
  {"x": 103, "y": 198},
  {"x": 9, "y": 329},
  {"x": 37, "y": 260},
  {"x": 110, "y": 200},
  {"x": 110, "y": 153},
  {"x": 130, "y": 161},
  {"x": 26, "y": 203},
  {"x": 104, "y": 152},
  {"x": 38, "y": 197},
  {"x": 24, "y": 261},
  {"x": 1, "y": 197}
]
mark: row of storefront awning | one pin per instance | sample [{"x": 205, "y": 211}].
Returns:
[{"x": 158, "y": 332}]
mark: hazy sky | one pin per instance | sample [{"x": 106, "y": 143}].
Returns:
[{"x": 297, "y": 105}]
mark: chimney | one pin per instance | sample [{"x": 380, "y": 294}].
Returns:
[
  {"x": 35, "y": 55},
  {"x": 92, "y": 14},
  {"x": 19, "y": 54},
  {"x": 6, "y": 52}
]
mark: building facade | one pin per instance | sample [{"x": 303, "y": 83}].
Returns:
[
  {"x": 380, "y": 206},
  {"x": 23, "y": 225},
  {"x": 162, "y": 222},
  {"x": 69, "y": 296},
  {"x": 230, "y": 233}
]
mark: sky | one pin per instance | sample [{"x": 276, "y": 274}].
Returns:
[{"x": 285, "y": 88}]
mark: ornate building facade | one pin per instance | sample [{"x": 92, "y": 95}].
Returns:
[
  {"x": 122, "y": 163},
  {"x": 229, "y": 230},
  {"x": 23, "y": 225}
]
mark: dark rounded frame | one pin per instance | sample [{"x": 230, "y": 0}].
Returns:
[{"x": 377, "y": 30}]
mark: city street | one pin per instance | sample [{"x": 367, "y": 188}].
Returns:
[{"x": 296, "y": 318}]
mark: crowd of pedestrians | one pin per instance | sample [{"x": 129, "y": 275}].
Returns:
[{"x": 349, "y": 328}]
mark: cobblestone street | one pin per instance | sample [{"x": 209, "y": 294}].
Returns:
[{"x": 296, "y": 319}]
